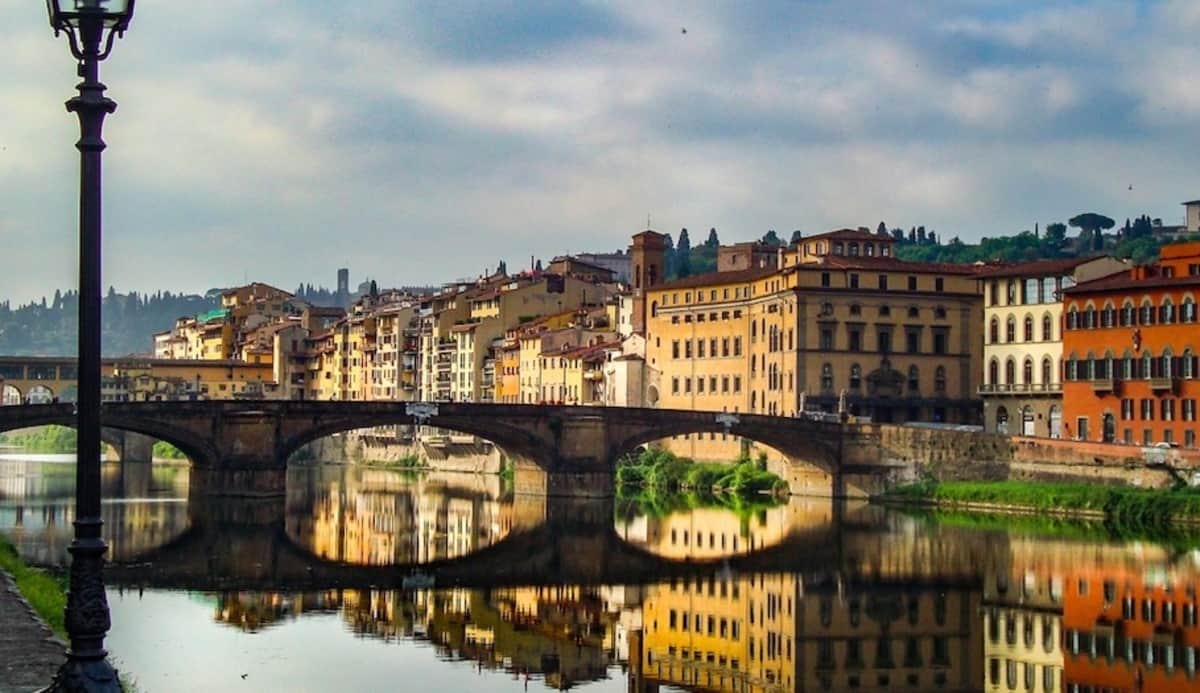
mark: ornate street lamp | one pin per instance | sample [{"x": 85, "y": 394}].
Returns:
[{"x": 91, "y": 26}]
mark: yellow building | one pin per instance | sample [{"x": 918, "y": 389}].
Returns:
[
  {"x": 900, "y": 340},
  {"x": 145, "y": 380}
]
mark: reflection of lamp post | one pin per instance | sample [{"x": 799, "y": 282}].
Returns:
[{"x": 91, "y": 26}]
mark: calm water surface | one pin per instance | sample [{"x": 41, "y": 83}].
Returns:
[{"x": 305, "y": 593}]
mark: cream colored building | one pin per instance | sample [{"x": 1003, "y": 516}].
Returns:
[{"x": 1021, "y": 378}]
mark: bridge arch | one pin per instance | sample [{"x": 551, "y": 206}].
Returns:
[
  {"x": 10, "y": 395},
  {"x": 40, "y": 394},
  {"x": 195, "y": 447}
]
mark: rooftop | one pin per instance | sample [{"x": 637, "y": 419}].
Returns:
[
  {"x": 1034, "y": 267},
  {"x": 716, "y": 278},
  {"x": 889, "y": 263}
]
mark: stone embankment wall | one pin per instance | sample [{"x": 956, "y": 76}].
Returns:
[
  {"x": 947, "y": 455},
  {"x": 450, "y": 456}
]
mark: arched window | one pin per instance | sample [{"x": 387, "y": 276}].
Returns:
[
  {"x": 1127, "y": 366},
  {"x": 914, "y": 378},
  {"x": 1108, "y": 372},
  {"x": 1147, "y": 365},
  {"x": 827, "y": 377},
  {"x": 1010, "y": 371},
  {"x": 1167, "y": 362},
  {"x": 1187, "y": 365},
  {"x": 1108, "y": 318},
  {"x": 1010, "y": 331},
  {"x": 1047, "y": 371},
  {"x": 1029, "y": 328},
  {"x": 1166, "y": 312},
  {"x": 994, "y": 373},
  {"x": 855, "y": 376},
  {"x": 1127, "y": 314},
  {"x": 1001, "y": 419},
  {"x": 939, "y": 379},
  {"x": 1072, "y": 318},
  {"x": 1146, "y": 316},
  {"x": 1027, "y": 371},
  {"x": 994, "y": 330},
  {"x": 1089, "y": 316},
  {"x": 855, "y": 309},
  {"x": 1072, "y": 368},
  {"x": 1187, "y": 310},
  {"x": 1091, "y": 366},
  {"x": 913, "y": 312},
  {"x": 1047, "y": 328}
]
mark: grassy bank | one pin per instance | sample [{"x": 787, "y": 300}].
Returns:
[
  {"x": 661, "y": 471},
  {"x": 46, "y": 592},
  {"x": 1122, "y": 507}
]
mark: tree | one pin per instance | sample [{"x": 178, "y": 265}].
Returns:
[
  {"x": 796, "y": 236},
  {"x": 772, "y": 238},
  {"x": 1092, "y": 227},
  {"x": 882, "y": 230},
  {"x": 502, "y": 268},
  {"x": 1055, "y": 237},
  {"x": 713, "y": 241},
  {"x": 683, "y": 255}
]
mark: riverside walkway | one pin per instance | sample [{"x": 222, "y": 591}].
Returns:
[{"x": 29, "y": 652}]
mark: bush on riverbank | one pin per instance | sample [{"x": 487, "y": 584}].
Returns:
[
  {"x": 46, "y": 592},
  {"x": 1123, "y": 506},
  {"x": 662, "y": 470},
  {"x": 165, "y": 451}
]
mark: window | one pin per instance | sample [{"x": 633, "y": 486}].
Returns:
[
  {"x": 912, "y": 283},
  {"x": 827, "y": 377},
  {"x": 1029, "y": 328},
  {"x": 939, "y": 284},
  {"x": 1027, "y": 371},
  {"x": 855, "y": 309},
  {"x": 883, "y": 282},
  {"x": 939, "y": 379},
  {"x": 885, "y": 340},
  {"x": 675, "y": 348},
  {"x": 826, "y": 339},
  {"x": 914, "y": 379},
  {"x": 855, "y": 336},
  {"x": 855, "y": 376},
  {"x": 825, "y": 280},
  {"x": 1146, "y": 317},
  {"x": 1010, "y": 371},
  {"x": 1166, "y": 312},
  {"x": 994, "y": 330},
  {"x": 1047, "y": 372},
  {"x": 853, "y": 281},
  {"x": 1047, "y": 329},
  {"x": 1010, "y": 331},
  {"x": 912, "y": 340},
  {"x": 994, "y": 372}
]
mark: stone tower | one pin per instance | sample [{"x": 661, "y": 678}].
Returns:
[{"x": 647, "y": 257}]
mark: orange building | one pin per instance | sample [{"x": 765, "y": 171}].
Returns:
[
  {"x": 1127, "y": 631},
  {"x": 1129, "y": 353}
]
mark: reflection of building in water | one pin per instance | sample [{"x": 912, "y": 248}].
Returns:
[
  {"x": 768, "y": 633},
  {"x": 375, "y": 517},
  {"x": 1022, "y": 619},
  {"x": 253, "y": 611},
  {"x": 1130, "y": 630},
  {"x": 715, "y": 532}
]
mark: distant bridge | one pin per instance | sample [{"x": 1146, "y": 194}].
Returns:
[{"x": 244, "y": 446}]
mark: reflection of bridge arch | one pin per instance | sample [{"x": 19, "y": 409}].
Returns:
[{"x": 245, "y": 546}]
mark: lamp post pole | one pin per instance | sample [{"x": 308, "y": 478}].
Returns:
[{"x": 87, "y": 615}]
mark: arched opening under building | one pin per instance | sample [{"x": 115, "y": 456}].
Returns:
[
  {"x": 11, "y": 396},
  {"x": 39, "y": 394},
  {"x": 1002, "y": 420}
]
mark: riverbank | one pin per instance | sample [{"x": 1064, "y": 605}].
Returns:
[
  {"x": 1119, "y": 506},
  {"x": 662, "y": 470},
  {"x": 30, "y": 652}
]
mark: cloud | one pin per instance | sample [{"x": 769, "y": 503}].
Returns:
[{"x": 422, "y": 142}]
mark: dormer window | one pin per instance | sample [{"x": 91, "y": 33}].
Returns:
[
  {"x": 869, "y": 249},
  {"x": 838, "y": 249}
]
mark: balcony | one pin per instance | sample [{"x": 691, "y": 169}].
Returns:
[
  {"x": 1013, "y": 388},
  {"x": 1163, "y": 384},
  {"x": 1102, "y": 385}
]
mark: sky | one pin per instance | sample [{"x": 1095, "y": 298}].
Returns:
[{"x": 419, "y": 143}]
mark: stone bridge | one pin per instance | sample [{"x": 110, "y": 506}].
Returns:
[
  {"x": 242, "y": 544},
  {"x": 243, "y": 446}
]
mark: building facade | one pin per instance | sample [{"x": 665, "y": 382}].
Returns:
[
  {"x": 1021, "y": 385},
  {"x": 1130, "y": 344}
]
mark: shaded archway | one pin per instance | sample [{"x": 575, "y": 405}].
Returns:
[{"x": 11, "y": 396}]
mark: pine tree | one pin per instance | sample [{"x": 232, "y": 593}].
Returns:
[
  {"x": 712, "y": 242},
  {"x": 683, "y": 255}
]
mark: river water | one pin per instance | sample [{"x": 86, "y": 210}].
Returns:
[{"x": 328, "y": 589}]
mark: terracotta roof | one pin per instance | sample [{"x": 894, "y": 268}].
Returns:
[
  {"x": 850, "y": 234},
  {"x": 889, "y": 263},
  {"x": 1126, "y": 280},
  {"x": 714, "y": 278},
  {"x": 1034, "y": 267}
]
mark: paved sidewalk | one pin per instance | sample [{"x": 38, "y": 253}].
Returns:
[{"x": 29, "y": 652}]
